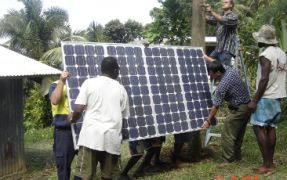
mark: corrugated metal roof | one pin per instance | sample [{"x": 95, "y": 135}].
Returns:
[{"x": 13, "y": 64}]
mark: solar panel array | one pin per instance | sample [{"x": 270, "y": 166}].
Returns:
[{"x": 168, "y": 87}]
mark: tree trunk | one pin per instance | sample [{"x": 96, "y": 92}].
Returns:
[
  {"x": 197, "y": 40},
  {"x": 198, "y": 24}
]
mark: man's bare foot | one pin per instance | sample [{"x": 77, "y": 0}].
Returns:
[{"x": 262, "y": 170}]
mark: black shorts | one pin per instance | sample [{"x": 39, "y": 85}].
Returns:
[
  {"x": 183, "y": 137},
  {"x": 137, "y": 147}
]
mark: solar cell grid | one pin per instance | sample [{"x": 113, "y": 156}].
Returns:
[{"x": 167, "y": 86}]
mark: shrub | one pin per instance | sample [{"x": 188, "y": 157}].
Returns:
[{"x": 37, "y": 109}]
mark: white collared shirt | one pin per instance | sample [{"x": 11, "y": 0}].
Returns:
[{"x": 106, "y": 104}]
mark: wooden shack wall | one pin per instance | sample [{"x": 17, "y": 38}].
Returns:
[{"x": 11, "y": 123}]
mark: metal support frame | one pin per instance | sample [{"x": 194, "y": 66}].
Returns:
[{"x": 209, "y": 135}]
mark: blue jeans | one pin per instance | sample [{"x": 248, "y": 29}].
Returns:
[
  {"x": 64, "y": 152},
  {"x": 224, "y": 57}
]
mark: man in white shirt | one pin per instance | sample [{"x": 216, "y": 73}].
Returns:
[
  {"x": 104, "y": 103},
  {"x": 270, "y": 85}
]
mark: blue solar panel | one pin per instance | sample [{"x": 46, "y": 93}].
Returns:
[{"x": 167, "y": 86}]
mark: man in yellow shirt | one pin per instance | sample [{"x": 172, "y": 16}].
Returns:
[{"x": 63, "y": 147}]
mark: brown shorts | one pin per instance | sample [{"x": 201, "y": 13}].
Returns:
[{"x": 87, "y": 162}]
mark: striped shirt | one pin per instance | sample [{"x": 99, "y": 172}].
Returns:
[
  {"x": 231, "y": 88},
  {"x": 226, "y": 32}
]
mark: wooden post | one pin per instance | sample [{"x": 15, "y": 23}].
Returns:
[
  {"x": 197, "y": 40},
  {"x": 198, "y": 24}
]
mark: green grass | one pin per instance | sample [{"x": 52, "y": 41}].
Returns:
[
  {"x": 36, "y": 136},
  {"x": 40, "y": 163},
  {"x": 38, "y": 154}
]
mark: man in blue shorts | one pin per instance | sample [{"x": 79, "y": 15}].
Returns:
[{"x": 270, "y": 85}]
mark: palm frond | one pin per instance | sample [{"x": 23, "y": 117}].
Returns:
[
  {"x": 55, "y": 17},
  {"x": 76, "y": 38},
  {"x": 53, "y": 57}
]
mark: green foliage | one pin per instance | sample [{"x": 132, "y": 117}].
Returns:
[
  {"x": 37, "y": 33},
  {"x": 117, "y": 32},
  {"x": 53, "y": 57},
  {"x": 283, "y": 35},
  {"x": 252, "y": 17},
  {"x": 37, "y": 110},
  {"x": 38, "y": 135},
  {"x": 275, "y": 12},
  {"x": 171, "y": 22},
  {"x": 31, "y": 29},
  {"x": 249, "y": 48},
  {"x": 95, "y": 33},
  {"x": 133, "y": 30}
]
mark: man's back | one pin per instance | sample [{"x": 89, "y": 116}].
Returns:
[
  {"x": 231, "y": 88},
  {"x": 226, "y": 33},
  {"x": 106, "y": 104},
  {"x": 276, "y": 87},
  {"x": 103, "y": 97}
]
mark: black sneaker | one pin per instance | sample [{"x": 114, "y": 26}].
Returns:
[
  {"x": 152, "y": 169},
  {"x": 160, "y": 163},
  {"x": 138, "y": 174},
  {"x": 173, "y": 157}
]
